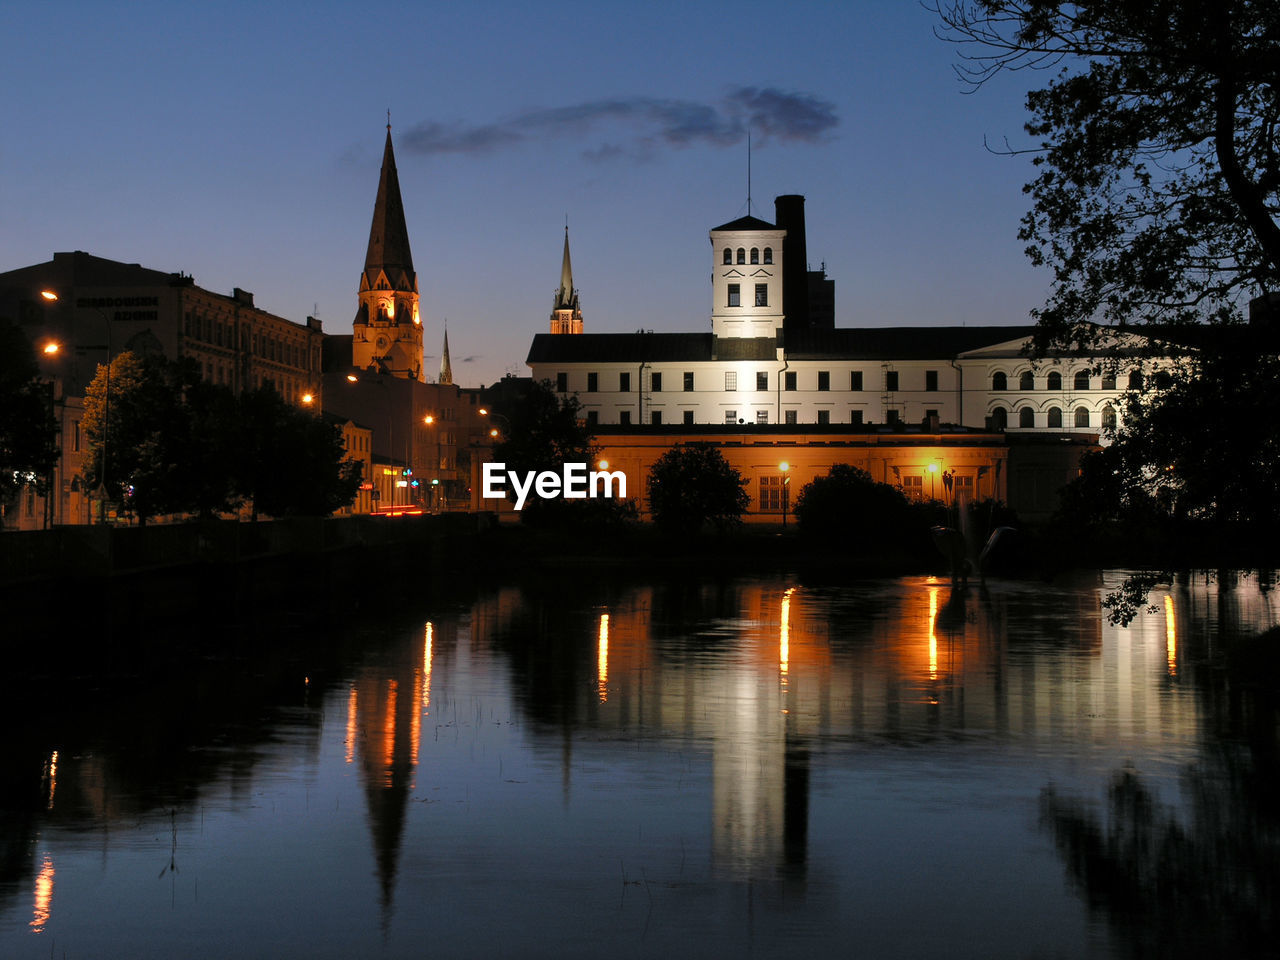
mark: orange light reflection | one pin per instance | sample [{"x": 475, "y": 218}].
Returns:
[
  {"x": 602, "y": 658},
  {"x": 784, "y": 633},
  {"x": 51, "y": 774},
  {"x": 426, "y": 665},
  {"x": 351, "y": 726},
  {"x": 389, "y": 727},
  {"x": 44, "y": 896},
  {"x": 1170, "y": 635},
  {"x": 933, "y": 636}
]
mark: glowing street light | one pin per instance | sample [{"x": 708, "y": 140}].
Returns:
[
  {"x": 786, "y": 489},
  {"x": 308, "y": 398},
  {"x": 49, "y": 295},
  {"x": 52, "y": 347}
]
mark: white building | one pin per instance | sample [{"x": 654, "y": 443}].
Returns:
[{"x": 774, "y": 356}]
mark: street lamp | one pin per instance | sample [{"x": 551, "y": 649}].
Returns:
[
  {"x": 933, "y": 481},
  {"x": 786, "y": 489}
]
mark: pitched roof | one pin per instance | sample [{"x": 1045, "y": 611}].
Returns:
[
  {"x": 619, "y": 347},
  {"x": 388, "y": 235},
  {"x": 746, "y": 223}
]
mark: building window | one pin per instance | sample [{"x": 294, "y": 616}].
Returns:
[
  {"x": 688, "y": 418},
  {"x": 891, "y": 380},
  {"x": 1027, "y": 380},
  {"x": 728, "y": 255},
  {"x": 913, "y": 487},
  {"x": 688, "y": 382},
  {"x": 791, "y": 417},
  {"x": 75, "y": 436},
  {"x": 1026, "y": 417},
  {"x": 655, "y": 382},
  {"x": 735, "y": 295},
  {"x": 789, "y": 380},
  {"x": 762, "y": 416},
  {"x": 1108, "y": 417},
  {"x": 1082, "y": 417},
  {"x": 624, "y": 418},
  {"x": 731, "y": 416},
  {"x": 1055, "y": 416},
  {"x": 824, "y": 416},
  {"x": 731, "y": 380},
  {"x": 742, "y": 255},
  {"x": 593, "y": 382},
  {"x": 768, "y": 254},
  {"x": 1082, "y": 380},
  {"x": 755, "y": 254},
  {"x": 855, "y": 418},
  {"x": 593, "y": 417},
  {"x": 624, "y": 383},
  {"x": 855, "y": 380},
  {"x": 931, "y": 379},
  {"x": 655, "y": 417},
  {"x": 1054, "y": 381},
  {"x": 824, "y": 379},
  {"x": 893, "y": 416},
  {"x": 1135, "y": 380},
  {"x": 771, "y": 488},
  {"x": 999, "y": 418},
  {"x": 562, "y": 383},
  {"x": 762, "y": 381},
  {"x": 931, "y": 414},
  {"x": 1109, "y": 381},
  {"x": 762, "y": 294},
  {"x": 999, "y": 381}
]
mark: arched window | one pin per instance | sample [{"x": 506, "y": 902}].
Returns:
[
  {"x": 999, "y": 418},
  {"x": 1082, "y": 380},
  {"x": 1026, "y": 417},
  {"x": 1082, "y": 417},
  {"x": 1055, "y": 416},
  {"x": 1135, "y": 379},
  {"x": 768, "y": 254},
  {"x": 742, "y": 255},
  {"x": 1027, "y": 381},
  {"x": 1055, "y": 381},
  {"x": 1108, "y": 417},
  {"x": 999, "y": 381},
  {"x": 728, "y": 255},
  {"x": 755, "y": 254}
]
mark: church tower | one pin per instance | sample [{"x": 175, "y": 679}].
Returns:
[
  {"x": 566, "y": 315},
  {"x": 387, "y": 332}
]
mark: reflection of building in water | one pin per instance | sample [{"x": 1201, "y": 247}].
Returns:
[{"x": 386, "y": 707}]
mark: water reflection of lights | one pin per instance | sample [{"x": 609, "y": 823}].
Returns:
[
  {"x": 51, "y": 775},
  {"x": 351, "y": 726},
  {"x": 389, "y": 728},
  {"x": 784, "y": 634},
  {"x": 933, "y": 635},
  {"x": 44, "y": 896},
  {"x": 426, "y": 666},
  {"x": 1170, "y": 635},
  {"x": 602, "y": 658}
]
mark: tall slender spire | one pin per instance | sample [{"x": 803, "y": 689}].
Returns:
[
  {"x": 566, "y": 315},
  {"x": 446, "y": 371},
  {"x": 388, "y": 235}
]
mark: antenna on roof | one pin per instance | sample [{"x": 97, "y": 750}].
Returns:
[{"x": 748, "y": 171}]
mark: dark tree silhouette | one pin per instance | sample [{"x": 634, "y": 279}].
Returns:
[{"x": 692, "y": 485}]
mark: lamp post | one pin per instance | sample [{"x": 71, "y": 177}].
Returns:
[{"x": 786, "y": 489}]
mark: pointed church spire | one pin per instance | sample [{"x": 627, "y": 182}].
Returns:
[
  {"x": 564, "y": 296},
  {"x": 388, "y": 236},
  {"x": 446, "y": 371}
]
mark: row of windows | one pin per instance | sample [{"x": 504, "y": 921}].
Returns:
[
  {"x": 755, "y": 255},
  {"x": 223, "y": 334},
  {"x": 1081, "y": 381},
  {"x": 790, "y": 381},
  {"x": 1027, "y": 417},
  {"x": 735, "y": 295}
]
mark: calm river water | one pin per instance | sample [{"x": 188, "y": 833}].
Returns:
[{"x": 750, "y": 767}]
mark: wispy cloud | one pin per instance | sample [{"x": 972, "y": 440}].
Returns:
[{"x": 639, "y": 126}]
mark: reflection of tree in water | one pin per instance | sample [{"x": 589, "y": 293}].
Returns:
[{"x": 1200, "y": 882}]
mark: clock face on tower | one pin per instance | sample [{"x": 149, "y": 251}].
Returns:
[{"x": 383, "y": 343}]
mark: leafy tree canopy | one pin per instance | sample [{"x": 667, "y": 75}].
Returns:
[
  {"x": 28, "y": 431},
  {"x": 692, "y": 485},
  {"x": 1157, "y": 184},
  {"x": 850, "y": 507}
]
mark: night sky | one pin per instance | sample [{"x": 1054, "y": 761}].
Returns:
[{"x": 241, "y": 145}]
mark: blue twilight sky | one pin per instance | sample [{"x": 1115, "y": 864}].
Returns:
[{"x": 241, "y": 143}]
